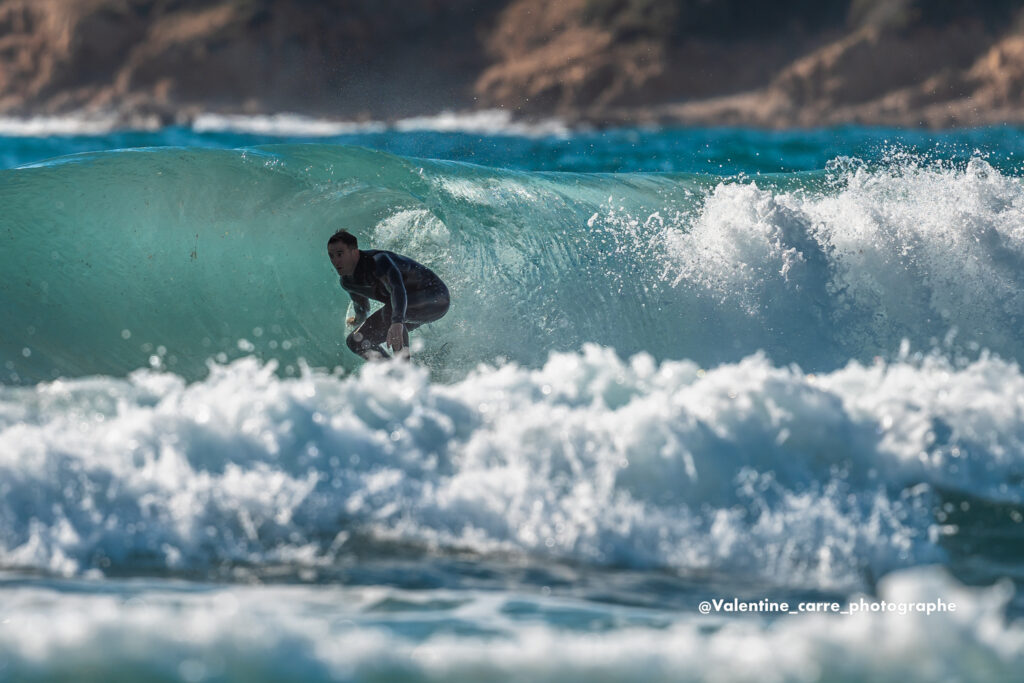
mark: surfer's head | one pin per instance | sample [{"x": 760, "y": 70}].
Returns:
[{"x": 343, "y": 249}]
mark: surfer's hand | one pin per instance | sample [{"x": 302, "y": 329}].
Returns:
[{"x": 395, "y": 336}]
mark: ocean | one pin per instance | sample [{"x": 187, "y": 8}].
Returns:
[{"x": 709, "y": 404}]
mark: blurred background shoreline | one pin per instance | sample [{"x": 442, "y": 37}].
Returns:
[{"x": 139, "y": 64}]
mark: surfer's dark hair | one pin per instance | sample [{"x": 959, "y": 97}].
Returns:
[{"x": 345, "y": 237}]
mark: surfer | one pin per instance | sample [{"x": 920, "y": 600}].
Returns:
[{"x": 411, "y": 293}]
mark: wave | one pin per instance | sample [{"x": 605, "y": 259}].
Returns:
[
  {"x": 45, "y": 126},
  {"x": 486, "y": 122},
  {"x": 336, "y": 633},
  {"x": 284, "y": 125},
  {"x": 748, "y": 470},
  {"x": 118, "y": 260}
]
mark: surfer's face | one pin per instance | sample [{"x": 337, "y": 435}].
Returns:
[{"x": 343, "y": 257}]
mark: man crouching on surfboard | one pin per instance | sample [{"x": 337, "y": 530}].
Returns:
[{"x": 411, "y": 293}]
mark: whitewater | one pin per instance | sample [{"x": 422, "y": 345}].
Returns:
[{"x": 680, "y": 365}]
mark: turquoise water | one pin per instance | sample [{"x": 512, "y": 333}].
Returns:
[
  {"x": 680, "y": 365},
  {"x": 720, "y": 151}
]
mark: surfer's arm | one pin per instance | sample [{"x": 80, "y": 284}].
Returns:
[
  {"x": 395, "y": 285},
  {"x": 360, "y": 303},
  {"x": 361, "y": 306}
]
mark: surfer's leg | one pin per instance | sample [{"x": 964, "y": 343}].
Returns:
[
  {"x": 368, "y": 339},
  {"x": 427, "y": 306},
  {"x": 424, "y": 307}
]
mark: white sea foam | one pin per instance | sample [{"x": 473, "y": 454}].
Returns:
[
  {"x": 287, "y": 124},
  {"x": 412, "y": 229},
  {"x": 336, "y": 633},
  {"x": 747, "y": 469},
  {"x": 925, "y": 251},
  {"x": 43, "y": 126},
  {"x": 486, "y": 122},
  {"x": 283, "y": 124}
]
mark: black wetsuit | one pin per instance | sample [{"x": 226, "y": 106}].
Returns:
[{"x": 411, "y": 293}]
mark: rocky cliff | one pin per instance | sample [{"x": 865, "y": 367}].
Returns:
[
  {"x": 728, "y": 62},
  {"x": 171, "y": 58}
]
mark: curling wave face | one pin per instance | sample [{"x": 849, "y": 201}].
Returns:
[{"x": 170, "y": 257}]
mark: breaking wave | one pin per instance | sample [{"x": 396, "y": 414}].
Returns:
[{"x": 171, "y": 257}]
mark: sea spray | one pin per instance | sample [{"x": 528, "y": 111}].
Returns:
[{"x": 748, "y": 469}]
